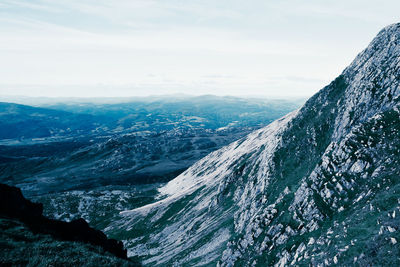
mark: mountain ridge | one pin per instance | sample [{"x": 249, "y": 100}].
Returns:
[{"x": 269, "y": 197}]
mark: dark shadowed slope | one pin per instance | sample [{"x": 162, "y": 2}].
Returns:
[{"x": 22, "y": 220}]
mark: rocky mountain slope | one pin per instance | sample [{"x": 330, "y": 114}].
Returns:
[{"x": 320, "y": 186}]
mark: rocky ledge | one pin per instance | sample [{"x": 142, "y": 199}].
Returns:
[{"x": 14, "y": 205}]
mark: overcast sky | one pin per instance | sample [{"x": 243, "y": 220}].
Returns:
[{"x": 114, "y": 48}]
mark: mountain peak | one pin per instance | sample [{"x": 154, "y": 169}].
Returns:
[
  {"x": 372, "y": 80},
  {"x": 381, "y": 52}
]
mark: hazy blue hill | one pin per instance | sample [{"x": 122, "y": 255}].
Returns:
[
  {"x": 153, "y": 114},
  {"x": 208, "y": 111},
  {"x": 21, "y": 121}
]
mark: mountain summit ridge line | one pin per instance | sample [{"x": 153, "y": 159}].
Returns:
[{"x": 289, "y": 193}]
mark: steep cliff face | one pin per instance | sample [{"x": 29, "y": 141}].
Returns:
[{"x": 319, "y": 186}]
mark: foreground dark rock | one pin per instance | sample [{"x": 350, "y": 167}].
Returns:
[{"x": 13, "y": 205}]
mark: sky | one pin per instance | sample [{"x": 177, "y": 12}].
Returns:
[{"x": 85, "y": 48}]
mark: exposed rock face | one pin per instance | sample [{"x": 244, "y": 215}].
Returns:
[
  {"x": 14, "y": 205},
  {"x": 320, "y": 186}
]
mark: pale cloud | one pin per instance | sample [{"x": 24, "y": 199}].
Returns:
[{"x": 123, "y": 48}]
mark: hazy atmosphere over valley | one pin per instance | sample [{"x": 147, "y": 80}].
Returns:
[{"x": 199, "y": 133}]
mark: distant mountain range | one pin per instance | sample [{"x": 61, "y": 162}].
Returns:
[
  {"x": 148, "y": 114},
  {"x": 318, "y": 187},
  {"x": 83, "y": 145}
]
